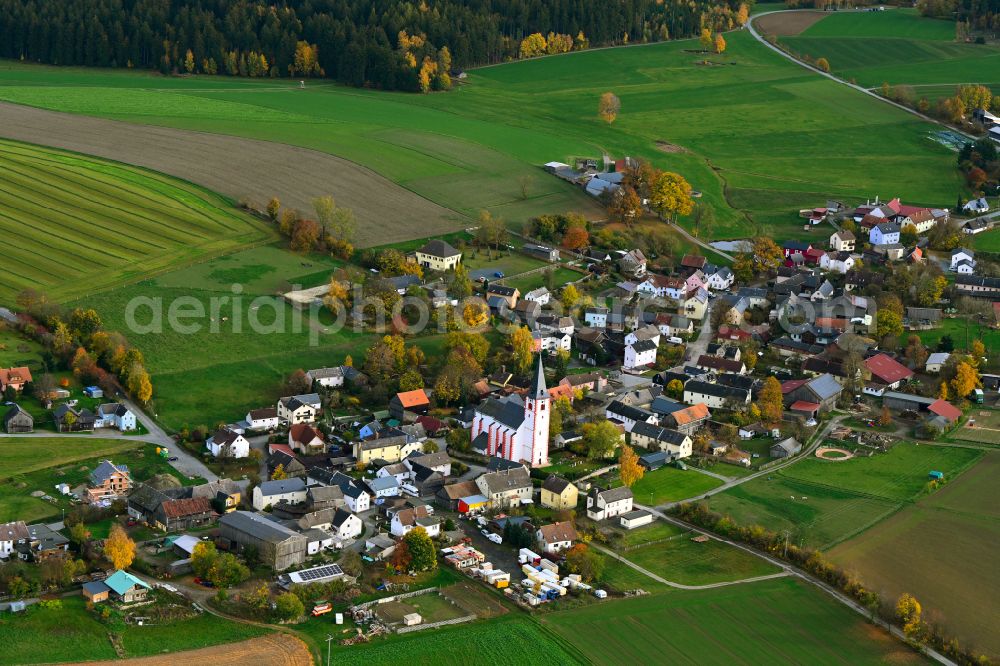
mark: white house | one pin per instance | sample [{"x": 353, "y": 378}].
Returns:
[
  {"x": 839, "y": 262},
  {"x": 12, "y": 534},
  {"x": 551, "y": 341},
  {"x": 965, "y": 267},
  {"x": 115, "y": 415},
  {"x": 227, "y": 443},
  {"x": 977, "y": 206},
  {"x": 542, "y": 296},
  {"x": 406, "y": 519},
  {"x": 842, "y": 241},
  {"x": 715, "y": 395},
  {"x": 960, "y": 256},
  {"x": 647, "y": 332},
  {"x": 439, "y": 461},
  {"x": 384, "y": 486},
  {"x": 628, "y": 415},
  {"x": 299, "y": 408},
  {"x": 269, "y": 493},
  {"x": 346, "y": 525},
  {"x": 262, "y": 419},
  {"x": 326, "y": 377},
  {"x": 656, "y": 438},
  {"x": 935, "y": 361},
  {"x": 596, "y": 317},
  {"x": 640, "y": 355},
  {"x": 721, "y": 279},
  {"x": 886, "y": 233},
  {"x": 438, "y": 255},
  {"x": 602, "y": 504},
  {"x": 662, "y": 287},
  {"x": 557, "y": 537},
  {"x": 398, "y": 471},
  {"x": 358, "y": 500}
]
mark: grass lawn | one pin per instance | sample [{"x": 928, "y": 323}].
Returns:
[
  {"x": 681, "y": 560},
  {"x": 669, "y": 484},
  {"x": 469, "y": 149},
  {"x": 939, "y": 550},
  {"x": 16, "y": 351},
  {"x": 774, "y": 621},
  {"x": 655, "y": 531},
  {"x": 21, "y": 455},
  {"x": 901, "y": 47},
  {"x": 823, "y": 503},
  {"x": 963, "y": 333},
  {"x": 560, "y": 276},
  {"x": 71, "y": 634},
  {"x": 73, "y": 225}
]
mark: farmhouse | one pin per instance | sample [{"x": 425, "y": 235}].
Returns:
[
  {"x": 689, "y": 419},
  {"x": 226, "y": 443},
  {"x": 438, "y": 255},
  {"x": 345, "y": 525},
  {"x": 14, "y": 378},
  {"x": 305, "y": 439},
  {"x": 68, "y": 419},
  {"x": 978, "y": 286},
  {"x": 510, "y": 487},
  {"x": 657, "y": 438},
  {"x": 715, "y": 395},
  {"x": 602, "y": 504},
  {"x": 409, "y": 403},
  {"x": 120, "y": 586},
  {"x": 842, "y": 241},
  {"x": 935, "y": 361},
  {"x": 115, "y": 415},
  {"x": 299, "y": 408},
  {"x": 543, "y": 252},
  {"x": 820, "y": 392},
  {"x": 276, "y": 545},
  {"x": 326, "y": 377}
]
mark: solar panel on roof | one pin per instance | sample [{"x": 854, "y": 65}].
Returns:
[{"x": 317, "y": 573}]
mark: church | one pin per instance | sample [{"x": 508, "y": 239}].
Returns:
[{"x": 515, "y": 428}]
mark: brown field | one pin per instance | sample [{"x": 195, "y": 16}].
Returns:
[
  {"x": 274, "y": 650},
  {"x": 475, "y": 600},
  {"x": 943, "y": 551},
  {"x": 786, "y": 24},
  {"x": 242, "y": 169}
]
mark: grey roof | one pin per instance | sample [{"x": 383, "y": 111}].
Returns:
[
  {"x": 326, "y": 373},
  {"x": 825, "y": 386},
  {"x": 634, "y": 515},
  {"x": 790, "y": 445},
  {"x": 664, "y": 405},
  {"x": 716, "y": 390},
  {"x": 659, "y": 433},
  {"x": 439, "y": 248},
  {"x": 643, "y": 345},
  {"x": 404, "y": 281},
  {"x": 509, "y": 410},
  {"x": 105, "y": 471},
  {"x": 612, "y": 494},
  {"x": 512, "y": 479},
  {"x": 258, "y": 526},
  {"x": 340, "y": 516},
  {"x": 538, "y": 391},
  {"x": 628, "y": 411},
  {"x": 435, "y": 459},
  {"x": 282, "y": 486},
  {"x": 555, "y": 484},
  {"x": 498, "y": 464},
  {"x": 481, "y": 442},
  {"x": 501, "y": 290},
  {"x": 293, "y": 402},
  {"x": 46, "y": 536},
  {"x": 383, "y": 483},
  {"x": 95, "y": 587},
  {"x": 16, "y": 410}
]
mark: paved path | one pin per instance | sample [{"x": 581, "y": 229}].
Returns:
[
  {"x": 186, "y": 463},
  {"x": 700, "y": 243},
  {"x": 681, "y": 586},
  {"x": 699, "y": 346},
  {"x": 720, "y": 477},
  {"x": 861, "y": 89}
]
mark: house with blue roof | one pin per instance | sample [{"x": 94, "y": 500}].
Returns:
[{"x": 120, "y": 586}]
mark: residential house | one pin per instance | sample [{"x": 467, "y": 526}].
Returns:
[
  {"x": 115, "y": 415},
  {"x": 604, "y": 504},
  {"x": 276, "y": 546},
  {"x": 388, "y": 444},
  {"x": 590, "y": 381},
  {"x": 270, "y": 493},
  {"x": 557, "y": 537},
  {"x": 14, "y": 378},
  {"x": 961, "y": 256},
  {"x": 108, "y": 482},
  {"x": 842, "y": 241},
  {"x": 720, "y": 279},
  {"x": 12, "y": 534},
  {"x": 721, "y": 364},
  {"x": 837, "y": 262},
  {"x": 415, "y": 402},
  {"x": 663, "y": 287},
  {"x": 654, "y": 437},
  {"x": 887, "y": 371},
  {"x": 68, "y": 419},
  {"x": 438, "y": 461},
  {"x": 326, "y": 377},
  {"x": 596, "y": 317},
  {"x": 695, "y": 304},
  {"x": 628, "y": 415},
  {"x": 785, "y": 448},
  {"x": 504, "y": 488},
  {"x": 633, "y": 263},
  {"x": 405, "y": 520},
  {"x": 715, "y": 395},
  {"x": 299, "y": 408},
  {"x": 262, "y": 419},
  {"x": 305, "y": 439},
  {"x": 673, "y": 325},
  {"x": 886, "y": 233},
  {"x": 640, "y": 354},
  {"x": 508, "y": 295},
  {"x": 935, "y": 361},
  {"x": 541, "y": 296},
  {"x": 977, "y": 225},
  {"x": 42, "y": 544},
  {"x": 120, "y": 586},
  {"x": 558, "y": 493},
  {"x": 345, "y": 525},
  {"x": 978, "y": 286},
  {"x": 226, "y": 443},
  {"x": 688, "y": 420},
  {"x": 438, "y": 255},
  {"x": 17, "y": 421}
]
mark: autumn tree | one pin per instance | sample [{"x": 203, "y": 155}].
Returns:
[
  {"x": 823, "y": 65},
  {"x": 770, "y": 401},
  {"x": 670, "y": 195},
  {"x": 492, "y": 230},
  {"x": 743, "y": 14},
  {"x": 273, "y": 208},
  {"x": 422, "y": 551},
  {"x": 570, "y": 296},
  {"x": 532, "y": 45},
  {"x": 119, "y": 548},
  {"x": 720, "y": 43},
  {"x": 909, "y": 612},
  {"x": 401, "y": 558},
  {"x": 139, "y": 384},
  {"x": 608, "y": 107},
  {"x": 306, "y": 60},
  {"x": 580, "y": 559},
  {"x": 888, "y": 323},
  {"x": 475, "y": 314},
  {"x": 675, "y": 389},
  {"x": 965, "y": 381},
  {"x": 461, "y": 283},
  {"x": 304, "y": 235},
  {"x": 522, "y": 345},
  {"x": 624, "y": 205},
  {"x": 629, "y": 469},
  {"x": 885, "y": 417},
  {"x": 576, "y": 237},
  {"x": 706, "y": 40},
  {"x": 600, "y": 438},
  {"x": 411, "y": 380},
  {"x": 297, "y": 383},
  {"x": 476, "y": 345},
  {"x": 279, "y": 473},
  {"x": 288, "y": 607}
]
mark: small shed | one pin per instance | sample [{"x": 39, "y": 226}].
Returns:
[
  {"x": 935, "y": 475},
  {"x": 411, "y": 619},
  {"x": 96, "y": 591},
  {"x": 785, "y": 448},
  {"x": 93, "y": 392},
  {"x": 654, "y": 460},
  {"x": 634, "y": 519}
]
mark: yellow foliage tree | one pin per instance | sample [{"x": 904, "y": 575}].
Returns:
[
  {"x": 522, "y": 345},
  {"x": 139, "y": 385},
  {"x": 533, "y": 45},
  {"x": 706, "y": 39},
  {"x": 670, "y": 195},
  {"x": 966, "y": 379},
  {"x": 629, "y": 469},
  {"x": 743, "y": 15},
  {"x": 279, "y": 473},
  {"x": 608, "y": 107},
  {"x": 475, "y": 314},
  {"x": 119, "y": 548},
  {"x": 770, "y": 401},
  {"x": 189, "y": 61},
  {"x": 720, "y": 43},
  {"x": 570, "y": 296}
]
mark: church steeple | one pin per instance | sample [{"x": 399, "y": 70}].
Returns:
[{"x": 538, "y": 390}]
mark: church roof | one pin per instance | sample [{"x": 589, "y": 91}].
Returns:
[
  {"x": 508, "y": 411},
  {"x": 538, "y": 391}
]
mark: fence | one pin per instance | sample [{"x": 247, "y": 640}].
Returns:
[
  {"x": 395, "y": 597},
  {"x": 432, "y": 625}
]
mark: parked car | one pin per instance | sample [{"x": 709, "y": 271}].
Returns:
[
  {"x": 204, "y": 583},
  {"x": 172, "y": 459},
  {"x": 498, "y": 274}
]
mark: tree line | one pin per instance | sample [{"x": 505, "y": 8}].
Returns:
[{"x": 388, "y": 44}]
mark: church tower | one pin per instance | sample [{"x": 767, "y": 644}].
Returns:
[{"x": 537, "y": 408}]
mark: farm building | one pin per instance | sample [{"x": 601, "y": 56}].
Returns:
[
  {"x": 634, "y": 519},
  {"x": 120, "y": 586},
  {"x": 935, "y": 361},
  {"x": 655, "y": 460},
  {"x": 886, "y": 370},
  {"x": 786, "y": 448},
  {"x": 17, "y": 420},
  {"x": 277, "y": 546},
  {"x": 906, "y": 401}
]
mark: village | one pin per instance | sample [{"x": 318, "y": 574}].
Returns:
[{"x": 537, "y": 456}]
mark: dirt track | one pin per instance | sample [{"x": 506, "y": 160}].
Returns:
[
  {"x": 241, "y": 168},
  {"x": 274, "y": 650}
]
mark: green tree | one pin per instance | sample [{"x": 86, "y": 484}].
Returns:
[
  {"x": 288, "y": 607},
  {"x": 422, "y": 552},
  {"x": 600, "y": 438}
]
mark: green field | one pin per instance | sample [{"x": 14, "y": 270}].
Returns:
[
  {"x": 70, "y": 634},
  {"x": 901, "y": 47},
  {"x": 822, "y": 503},
  {"x": 72, "y": 225},
  {"x": 469, "y": 149},
  {"x": 22, "y": 455},
  {"x": 669, "y": 484},
  {"x": 683, "y": 561},
  {"x": 943, "y": 551},
  {"x": 16, "y": 351},
  {"x": 775, "y": 621}
]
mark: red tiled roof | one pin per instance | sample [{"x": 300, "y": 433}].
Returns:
[
  {"x": 304, "y": 433},
  {"x": 692, "y": 413},
  {"x": 561, "y": 391},
  {"x": 14, "y": 375},
  {"x": 186, "y": 507},
  {"x": 693, "y": 261},
  {"x": 792, "y": 384},
  {"x": 945, "y": 409},
  {"x": 284, "y": 448},
  {"x": 804, "y": 406},
  {"x": 887, "y": 369},
  {"x": 413, "y": 398}
]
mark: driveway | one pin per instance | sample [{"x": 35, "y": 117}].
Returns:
[{"x": 699, "y": 346}]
